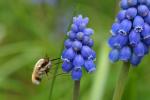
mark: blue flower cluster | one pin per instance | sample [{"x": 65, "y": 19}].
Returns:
[
  {"x": 130, "y": 40},
  {"x": 78, "y": 51}
]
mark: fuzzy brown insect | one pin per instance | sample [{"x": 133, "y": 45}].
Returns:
[{"x": 41, "y": 67}]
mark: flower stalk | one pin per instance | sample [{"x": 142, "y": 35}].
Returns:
[
  {"x": 76, "y": 90},
  {"x": 121, "y": 83}
]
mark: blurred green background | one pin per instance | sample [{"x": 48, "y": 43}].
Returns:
[{"x": 31, "y": 29}]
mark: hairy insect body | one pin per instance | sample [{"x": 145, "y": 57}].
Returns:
[{"x": 41, "y": 67}]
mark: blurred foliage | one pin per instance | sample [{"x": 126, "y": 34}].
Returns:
[{"x": 31, "y": 29}]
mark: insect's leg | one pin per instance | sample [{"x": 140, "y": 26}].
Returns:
[
  {"x": 47, "y": 75},
  {"x": 55, "y": 59}
]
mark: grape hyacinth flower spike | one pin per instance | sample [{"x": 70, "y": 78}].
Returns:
[
  {"x": 130, "y": 38},
  {"x": 78, "y": 52}
]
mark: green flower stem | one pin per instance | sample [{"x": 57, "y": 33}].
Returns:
[
  {"x": 101, "y": 74},
  {"x": 121, "y": 81},
  {"x": 76, "y": 90},
  {"x": 53, "y": 81}
]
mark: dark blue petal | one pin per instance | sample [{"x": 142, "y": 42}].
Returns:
[
  {"x": 127, "y": 3},
  {"x": 89, "y": 66},
  {"x": 76, "y": 74},
  {"x": 139, "y": 49},
  {"x": 132, "y": 2},
  {"x": 80, "y": 35},
  {"x": 125, "y": 54},
  {"x": 134, "y": 38},
  {"x": 82, "y": 26},
  {"x": 148, "y": 3},
  {"x": 90, "y": 43},
  {"x": 111, "y": 41},
  {"x": 115, "y": 28},
  {"x": 88, "y": 31},
  {"x": 67, "y": 66},
  {"x": 121, "y": 15},
  {"x": 147, "y": 18},
  {"x": 135, "y": 60},
  {"x": 147, "y": 41},
  {"x": 146, "y": 49},
  {"x": 124, "y": 4},
  {"x": 142, "y": 1},
  {"x": 146, "y": 32},
  {"x": 78, "y": 20},
  {"x": 125, "y": 27},
  {"x": 68, "y": 54},
  {"x": 143, "y": 10},
  {"x": 78, "y": 62},
  {"x": 77, "y": 45},
  {"x": 114, "y": 55},
  {"x": 86, "y": 52},
  {"x": 138, "y": 24},
  {"x": 68, "y": 43},
  {"x": 131, "y": 13},
  {"x": 71, "y": 35},
  {"x": 92, "y": 56},
  {"x": 63, "y": 53},
  {"x": 118, "y": 41},
  {"x": 86, "y": 20},
  {"x": 74, "y": 27},
  {"x": 85, "y": 40}
]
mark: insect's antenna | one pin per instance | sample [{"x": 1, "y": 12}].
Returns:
[
  {"x": 55, "y": 59},
  {"x": 53, "y": 65},
  {"x": 57, "y": 63},
  {"x": 63, "y": 74}
]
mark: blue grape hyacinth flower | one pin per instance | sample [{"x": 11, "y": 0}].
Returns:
[
  {"x": 78, "y": 52},
  {"x": 130, "y": 40}
]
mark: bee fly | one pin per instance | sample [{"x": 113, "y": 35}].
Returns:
[{"x": 41, "y": 67}]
